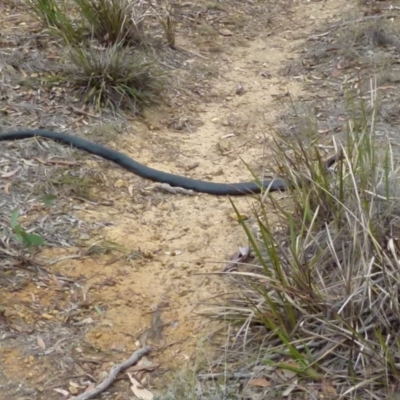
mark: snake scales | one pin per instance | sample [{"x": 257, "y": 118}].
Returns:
[{"x": 219, "y": 189}]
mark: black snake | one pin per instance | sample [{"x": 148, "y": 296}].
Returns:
[{"x": 221, "y": 189}]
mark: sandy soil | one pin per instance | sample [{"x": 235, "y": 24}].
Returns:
[{"x": 211, "y": 126}]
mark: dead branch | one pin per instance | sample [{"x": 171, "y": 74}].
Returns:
[{"x": 115, "y": 370}]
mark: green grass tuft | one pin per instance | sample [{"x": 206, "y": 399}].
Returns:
[
  {"x": 323, "y": 301},
  {"x": 106, "y": 21},
  {"x": 104, "y": 61},
  {"x": 115, "y": 77},
  {"x": 114, "y": 21},
  {"x": 56, "y": 17}
]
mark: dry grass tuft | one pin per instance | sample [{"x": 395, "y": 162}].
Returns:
[
  {"x": 115, "y": 77},
  {"x": 106, "y": 21},
  {"x": 108, "y": 51},
  {"x": 113, "y": 21},
  {"x": 321, "y": 310}
]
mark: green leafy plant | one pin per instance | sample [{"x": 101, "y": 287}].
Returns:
[
  {"x": 48, "y": 199},
  {"x": 30, "y": 240}
]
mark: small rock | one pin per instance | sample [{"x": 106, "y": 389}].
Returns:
[
  {"x": 240, "y": 89},
  {"x": 224, "y": 146},
  {"x": 192, "y": 166},
  {"x": 219, "y": 172},
  {"x": 225, "y": 122},
  {"x": 225, "y": 32},
  {"x": 73, "y": 390},
  {"x": 119, "y": 183},
  {"x": 103, "y": 375},
  {"x": 243, "y": 216}
]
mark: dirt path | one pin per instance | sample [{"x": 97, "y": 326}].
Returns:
[
  {"x": 187, "y": 235},
  {"x": 191, "y": 235},
  {"x": 181, "y": 238}
]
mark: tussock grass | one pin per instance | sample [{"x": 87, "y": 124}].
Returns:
[
  {"x": 323, "y": 303},
  {"x": 115, "y": 21},
  {"x": 108, "y": 58},
  {"x": 115, "y": 77},
  {"x": 107, "y": 21},
  {"x": 168, "y": 25},
  {"x": 56, "y": 17}
]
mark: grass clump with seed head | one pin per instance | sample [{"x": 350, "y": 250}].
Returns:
[{"x": 321, "y": 310}]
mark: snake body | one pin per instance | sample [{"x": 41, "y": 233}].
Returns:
[{"x": 219, "y": 189}]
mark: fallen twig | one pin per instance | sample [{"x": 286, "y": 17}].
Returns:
[
  {"x": 58, "y": 162},
  {"x": 115, "y": 370},
  {"x": 227, "y": 375},
  {"x": 83, "y": 112}
]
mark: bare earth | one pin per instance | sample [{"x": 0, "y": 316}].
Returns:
[{"x": 224, "y": 107}]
